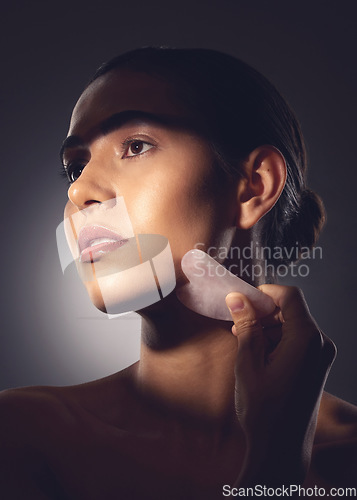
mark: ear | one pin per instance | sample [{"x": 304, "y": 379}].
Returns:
[{"x": 264, "y": 176}]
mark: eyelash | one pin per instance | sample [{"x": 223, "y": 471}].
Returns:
[
  {"x": 63, "y": 174},
  {"x": 67, "y": 170},
  {"x": 129, "y": 142}
]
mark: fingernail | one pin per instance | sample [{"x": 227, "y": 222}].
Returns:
[{"x": 234, "y": 303}]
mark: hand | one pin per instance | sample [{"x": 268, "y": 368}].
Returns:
[{"x": 282, "y": 364}]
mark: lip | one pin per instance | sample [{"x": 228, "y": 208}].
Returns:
[{"x": 95, "y": 241}]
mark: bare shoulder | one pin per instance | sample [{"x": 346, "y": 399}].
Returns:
[
  {"x": 335, "y": 449},
  {"x": 28, "y": 418},
  {"x": 46, "y": 408},
  {"x": 30, "y": 415},
  {"x": 43, "y": 406},
  {"x": 41, "y": 426},
  {"x": 21, "y": 403}
]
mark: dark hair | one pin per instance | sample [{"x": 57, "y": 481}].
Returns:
[{"x": 242, "y": 110}]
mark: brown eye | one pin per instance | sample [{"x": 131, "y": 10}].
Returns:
[{"x": 136, "y": 148}]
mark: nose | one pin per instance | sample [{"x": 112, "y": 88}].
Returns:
[{"x": 90, "y": 187}]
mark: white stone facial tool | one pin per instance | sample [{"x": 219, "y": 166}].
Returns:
[{"x": 210, "y": 283}]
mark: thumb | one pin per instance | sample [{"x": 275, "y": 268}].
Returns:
[{"x": 248, "y": 330}]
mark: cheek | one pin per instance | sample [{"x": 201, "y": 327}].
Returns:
[
  {"x": 183, "y": 205},
  {"x": 164, "y": 201}
]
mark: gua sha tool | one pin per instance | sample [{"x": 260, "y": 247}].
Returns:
[{"x": 210, "y": 282}]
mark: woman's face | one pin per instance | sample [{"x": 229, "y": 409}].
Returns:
[{"x": 131, "y": 138}]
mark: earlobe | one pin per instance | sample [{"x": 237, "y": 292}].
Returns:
[{"x": 264, "y": 176}]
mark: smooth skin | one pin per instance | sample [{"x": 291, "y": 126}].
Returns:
[{"x": 206, "y": 405}]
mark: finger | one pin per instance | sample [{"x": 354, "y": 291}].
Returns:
[
  {"x": 297, "y": 322},
  {"x": 301, "y": 341},
  {"x": 249, "y": 332},
  {"x": 291, "y": 302}
]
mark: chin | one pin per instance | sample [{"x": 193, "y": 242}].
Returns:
[
  {"x": 131, "y": 290},
  {"x": 128, "y": 279},
  {"x": 95, "y": 296}
]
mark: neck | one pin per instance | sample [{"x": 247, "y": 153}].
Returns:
[{"x": 187, "y": 362}]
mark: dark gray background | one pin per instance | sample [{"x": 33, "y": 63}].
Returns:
[{"x": 49, "y": 332}]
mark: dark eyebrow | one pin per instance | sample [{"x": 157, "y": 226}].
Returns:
[
  {"x": 118, "y": 120},
  {"x": 70, "y": 142}
]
